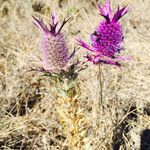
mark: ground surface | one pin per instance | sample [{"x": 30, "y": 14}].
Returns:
[{"x": 118, "y": 111}]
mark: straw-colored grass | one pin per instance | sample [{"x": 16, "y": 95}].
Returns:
[{"x": 115, "y": 103}]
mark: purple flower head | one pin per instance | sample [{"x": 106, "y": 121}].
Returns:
[
  {"x": 107, "y": 39},
  {"x": 54, "y": 50}
]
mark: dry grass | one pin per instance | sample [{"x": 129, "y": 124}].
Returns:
[{"x": 115, "y": 103}]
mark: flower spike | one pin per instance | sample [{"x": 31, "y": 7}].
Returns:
[
  {"x": 106, "y": 41},
  {"x": 54, "y": 50}
]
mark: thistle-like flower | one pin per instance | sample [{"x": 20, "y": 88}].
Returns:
[
  {"x": 107, "y": 39},
  {"x": 54, "y": 50}
]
